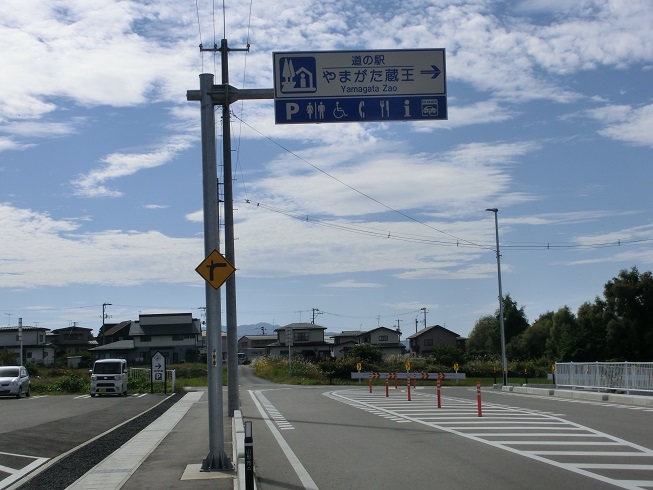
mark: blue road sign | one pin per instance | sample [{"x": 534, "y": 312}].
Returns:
[{"x": 360, "y": 86}]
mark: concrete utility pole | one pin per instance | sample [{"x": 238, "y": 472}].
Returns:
[
  {"x": 424, "y": 311},
  {"x": 504, "y": 360},
  {"x": 104, "y": 317},
  {"x": 315, "y": 313},
  {"x": 210, "y": 95}
]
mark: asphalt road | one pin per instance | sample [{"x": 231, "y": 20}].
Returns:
[
  {"x": 344, "y": 437},
  {"x": 35, "y": 430}
]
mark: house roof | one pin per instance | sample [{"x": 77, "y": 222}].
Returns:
[
  {"x": 117, "y": 327},
  {"x": 15, "y": 329},
  {"x": 137, "y": 328},
  {"x": 349, "y": 333},
  {"x": 394, "y": 330},
  {"x": 257, "y": 337},
  {"x": 427, "y": 329},
  {"x": 301, "y": 345},
  {"x": 70, "y": 329},
  {"x": 158, "y": 319},
  {"x": 300, "y": 326},
  {"x": 120, "y": 345}
]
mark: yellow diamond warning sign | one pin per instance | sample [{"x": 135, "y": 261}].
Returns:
[{"x": 215, "y": 269}]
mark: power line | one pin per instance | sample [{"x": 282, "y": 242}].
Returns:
[
  {"x": 367, "y": 196},
  {"x": 389, "y": 235}
]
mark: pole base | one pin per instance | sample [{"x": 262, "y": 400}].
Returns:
[{"x": 216, "y": 462}]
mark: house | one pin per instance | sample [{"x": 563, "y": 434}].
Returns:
[
  {"x": 34, "y": 342},
  {"x": 254, "y": 346},
  {"x": 201, "y": 346},
  {"x": 177, "y": 336},
  {"x": 71, "y": 340},
  {"x": 114, "y": 332},
  {"x": 305, "y": 339},
  {"x": 386, "y": 339},
  {"x": 423, "y": 342}
]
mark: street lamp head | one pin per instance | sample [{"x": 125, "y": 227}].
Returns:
[{"x": 494, "y": 210}]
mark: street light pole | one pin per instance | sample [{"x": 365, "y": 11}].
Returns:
[{"x": 504, "y": 361}]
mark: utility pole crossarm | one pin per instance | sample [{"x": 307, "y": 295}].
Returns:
[{"x": 218, "y": 93}]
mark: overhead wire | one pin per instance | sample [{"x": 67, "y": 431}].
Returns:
[
  {"x": 199, "y": 28},
  {"x": 242, "y": 106},
  {"x": 358, "y": 191}
]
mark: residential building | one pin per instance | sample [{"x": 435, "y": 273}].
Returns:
[
  {"x": 115, "y": 332},
  {"x": 254, "y": 346},
  {"x": 34, "y": 342},
  {"x": 384, "y": 338},
  {"x": 305, "y": 339},
  {"x": 71, "y": 340},
  {"x": 423, "y": 342},
  {"x": 177, "y": 336}
]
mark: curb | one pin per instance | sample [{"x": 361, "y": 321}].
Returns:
[{"x": 635, "y": 400}]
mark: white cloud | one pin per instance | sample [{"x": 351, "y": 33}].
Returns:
[
  {"x": 119, "y": 165},
  {"x": 37, "y": 129},
  {"x": 351, "y": 283},
  {"x": 11, "y": 144},
  {"x": 632, "y": 125},
  {"x": 41, "y": 251}
]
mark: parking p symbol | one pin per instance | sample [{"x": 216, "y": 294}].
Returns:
[{"x": 291, "y": 108}]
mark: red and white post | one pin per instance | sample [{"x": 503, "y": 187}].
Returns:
[
  {"x": 439, "y": 384},
  {"x": 387, "y": 393},
  {"x": 478, "y": 398},
  {"x": 370, "y": 382},
  {"x": 408, "y": 386}
]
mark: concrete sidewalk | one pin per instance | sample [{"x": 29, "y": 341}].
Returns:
[{"x": 168, "y": 454}]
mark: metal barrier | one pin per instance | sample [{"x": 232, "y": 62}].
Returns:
[
  {"x": 146, "y": 374},
  {"x": 603, "y": 376}
]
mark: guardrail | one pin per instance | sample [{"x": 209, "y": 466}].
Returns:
[
  {"x": 146, "y": 374},
  {"x": 603, "y": 376}
]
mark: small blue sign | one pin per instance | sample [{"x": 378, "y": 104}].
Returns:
[{"x": 360, "y": 109}]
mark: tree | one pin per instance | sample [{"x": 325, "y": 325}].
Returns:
[
  {"x": 590, "y": 335},
  {"x": 629, "y": 309},
  {"x": 536, "y": 337},
  {"x": 561, "y": 339},
  {"x": 484, "y": 337},
  {"x": 366, "y": 353},
  {"x": 514, "y": 319},
  {"x": 446, "y": 355}
]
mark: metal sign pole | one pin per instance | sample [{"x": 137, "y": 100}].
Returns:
[{"x": 216, "y": 459}]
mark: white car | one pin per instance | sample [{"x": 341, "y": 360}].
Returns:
[{"x": 14, "y": 381}]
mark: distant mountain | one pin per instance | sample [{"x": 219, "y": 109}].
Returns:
[{"x": 256, "y": 329}]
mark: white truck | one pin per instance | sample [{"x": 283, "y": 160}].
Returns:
[{"x": 109, "y": 377}]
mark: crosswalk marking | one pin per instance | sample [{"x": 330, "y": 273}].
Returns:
[
  {"x": 542, "y": 436},
  {"x": 279, "y": 420}
]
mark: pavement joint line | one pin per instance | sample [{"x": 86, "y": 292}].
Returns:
[{"x": 114, "y": 471}]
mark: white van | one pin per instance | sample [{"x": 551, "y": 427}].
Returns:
[{"x": 109, "y": 376}]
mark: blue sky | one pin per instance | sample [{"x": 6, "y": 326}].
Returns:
[{"x": 550, "y": 114}]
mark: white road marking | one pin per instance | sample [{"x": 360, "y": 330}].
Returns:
[
  {"x": 525, "y": 432},
  {"x": 260, "y": 400},
  {"x": 17, "y": 474}
]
